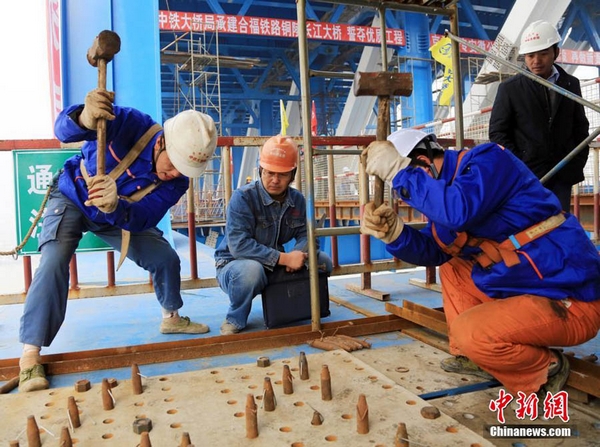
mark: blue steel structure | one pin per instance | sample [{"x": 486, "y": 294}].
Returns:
[{"x": 256, "y": 72}]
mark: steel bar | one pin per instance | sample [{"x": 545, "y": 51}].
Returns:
[
  {"x": 526, "y": 73},
  {"x": 110, "y": 358},
  {"x": 308, "y": 164},
  {"x": 561, "y": 164},
  {"x": 458, "y": 87}
]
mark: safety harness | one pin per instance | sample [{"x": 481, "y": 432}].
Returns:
[
  {"x": 493, "y": 252},
  {"x": 123, "y": 165}
]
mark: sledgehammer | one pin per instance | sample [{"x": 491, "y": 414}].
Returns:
[
  {"x": 105, "y": 46},
  {"x": 383, "y": 84}
]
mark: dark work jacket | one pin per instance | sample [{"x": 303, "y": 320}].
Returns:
[{"x": 523, "y": 122}]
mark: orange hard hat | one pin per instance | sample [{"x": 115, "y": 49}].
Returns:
[{"x": 279, "y": 154}]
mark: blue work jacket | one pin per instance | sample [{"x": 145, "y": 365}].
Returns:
[
  {"x": 258, "y": 226},
  {"x": 493, "y": 196},
  {"x": 121, "y": 134}
]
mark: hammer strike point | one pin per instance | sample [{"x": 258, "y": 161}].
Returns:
[
  {"x": 33, "y": 433},
  {"x": 105, "y": 46},
  {"x": 185, "y": 440},
  {"x": 65, "y": 438},
  {"x": 73, "y": 412},
  {"x": 303, "y": 366}
]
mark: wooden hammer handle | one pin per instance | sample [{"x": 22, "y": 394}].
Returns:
[
  {"x": 383, "y": 126},
  {"x": 101, "y": 124}
]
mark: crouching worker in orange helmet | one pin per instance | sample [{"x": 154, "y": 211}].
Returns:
[{"x": 262, "y": 216}]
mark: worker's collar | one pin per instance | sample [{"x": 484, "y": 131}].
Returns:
[
  {"x": 554, "y": 75},
  {"x": 268, "y": 199}
]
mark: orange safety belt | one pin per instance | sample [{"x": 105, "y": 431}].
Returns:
[{"x": 493, "y": 252}]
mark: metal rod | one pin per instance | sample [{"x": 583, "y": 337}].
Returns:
[
  {"x": 111, "y": 358},
  {"x": 110, "y": 268},
  {"x": 27, "y": 272},
  {"x": 526, "y": 73},
  {"x": 440, "y": 11},
  {"x": 337, "y": 151},
  {"x": 458, "y": 90},
  {"x": 596, "y": 194},
  {"x": 227, "y": 180},
  {"x": 345, "y": 231},
  {"x": 331, "y": 74},
  {"x": 73, "y": 272},
  {"x": 308, "y": 165},
  {"x": 191, "y": 218},
  {"x": 561, "y": 164},
  {"x": 332, "y": 207}
]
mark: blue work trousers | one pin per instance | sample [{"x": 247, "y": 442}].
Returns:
[
  {"x": 62, "y": 229},
  {"x": 244, "y": 279}
]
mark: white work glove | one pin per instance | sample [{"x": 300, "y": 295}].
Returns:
[
  {"x": 381, "y": 222},
  {"x": 384, "y": 161},
  {"x": 98, "y": 104},
  {"x": 102, "y": 193}
]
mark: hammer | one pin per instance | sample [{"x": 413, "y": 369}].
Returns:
[
  {"x": 105, "y": 46},
  {"x": 382, "y": 84}
]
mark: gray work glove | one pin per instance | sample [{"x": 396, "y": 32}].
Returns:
[
  {"x": 102, "y": 193},
  {"x": 384, "y": 161},
  {"x": 381, "y": 222},
  {"x": 98, "y": 105}
]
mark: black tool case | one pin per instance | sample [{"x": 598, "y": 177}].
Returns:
[{"x": 286, "y": 299}]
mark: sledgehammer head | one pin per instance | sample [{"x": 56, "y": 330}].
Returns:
[
  {"x": 105, "y": 46},
  {"x": 383, "y": 83}
]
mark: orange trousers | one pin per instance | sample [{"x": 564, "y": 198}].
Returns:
[{"x": 509, "y": 338}]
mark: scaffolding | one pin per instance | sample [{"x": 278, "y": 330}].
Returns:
[
  {"x": 194, "y": 57},
  {"x": 197, "y": 72}
]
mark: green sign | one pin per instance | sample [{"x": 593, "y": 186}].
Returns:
[{"x": 34, "y": 171}]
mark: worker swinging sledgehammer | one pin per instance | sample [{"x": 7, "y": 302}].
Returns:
[{"x": 147, "y": 170}]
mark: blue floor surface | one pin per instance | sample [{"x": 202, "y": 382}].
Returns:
[{"x": 110, "y": 322}]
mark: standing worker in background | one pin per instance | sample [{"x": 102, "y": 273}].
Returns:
[
  {"x": 537, "y": 124},
  {"x": 146, "y": 175},
  {"x": 518, "y": 275},
  {"x": 262, "y": 216}
]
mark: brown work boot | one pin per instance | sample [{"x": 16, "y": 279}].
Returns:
[
  {"x": 182, "y": 325},
  {"x": 462, "y": 365},
  {"x": 33, "y": 379},
  {"x": 558, "y": 373}
]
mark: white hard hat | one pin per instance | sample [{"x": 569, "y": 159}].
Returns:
[
  {"x": 538, "y": 36},
  {"x": 405, "y": 140},
  {"x": 190, "y": 140}
]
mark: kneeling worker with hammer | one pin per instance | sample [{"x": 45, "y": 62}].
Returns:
[
  {"x": 147, "y": 172},
  {"x": 518, "y": 275}
]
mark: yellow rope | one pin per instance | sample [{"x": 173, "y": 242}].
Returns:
[{"x": 15, "y": 251}]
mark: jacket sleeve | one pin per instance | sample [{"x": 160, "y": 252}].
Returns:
[
  {"x": 487, "y": 178},
  {"x": 417, "y": 247},
  {"x": 66, "y": 128},
  {"x": 502, "y": 120}
]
